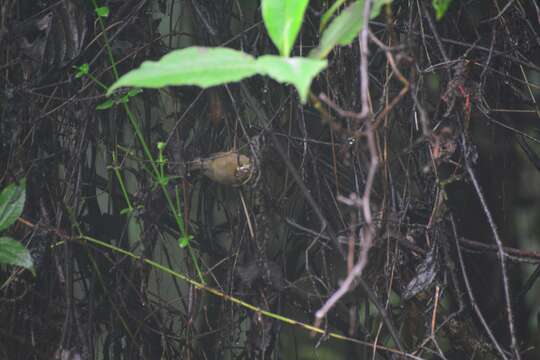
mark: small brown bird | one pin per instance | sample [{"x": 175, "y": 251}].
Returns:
[{"x": 227, "y": 168}]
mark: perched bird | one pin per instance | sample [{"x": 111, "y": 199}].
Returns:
[{"x": 227, "y": 168}]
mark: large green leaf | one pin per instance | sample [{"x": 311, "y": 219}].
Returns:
[
  {"x": 204, "y": 67},
  {"x": 297, "y": 71},
  {"x": 13, "y": 252},
  {"x": 12, "y": 203},
  {"x": 345, "y": 27},
  {"x": 283, "y": 19}
]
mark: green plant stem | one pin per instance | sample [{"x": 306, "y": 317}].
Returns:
[
  {"x": 99, "y": 83},
  {"x": 148, "y": 154},
  {"x": 107, "y": 44},
  {"x": 238, "y": 301},
  {"x": 121, "y": 181}
]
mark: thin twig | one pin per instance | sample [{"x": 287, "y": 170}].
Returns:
[
  {"x": 471, "y": 295},
  {"x": 502, "y": 257}
]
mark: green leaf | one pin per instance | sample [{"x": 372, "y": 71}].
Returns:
[
  {"x": 102, "y": 11},
  {"x": 329, "y": 13},
  {"x": 283, "y": 19},
  {"x": 204, "y": 67},
  {"x": 345, "y": 27},
  {"x": 440, "y": 7},
  {"x": 82, "y": 70},
  {"x": 342, "y": 30},
  {"x": 207, "y": 67},
  {"x": 126, "y": 211},
  {"x": 184, "y": 241},
  {"x": 134, "y": 92},
  {"x": 12, "y": 203},
  {"x": 297, "y": 71},
  {"x": 13, "y": 252},
  {"x": 376, "y": 7},
  {"x": 107, "y": 104}
]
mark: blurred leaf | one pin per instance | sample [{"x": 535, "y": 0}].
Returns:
[
  {"x": 329, "y": 13},
  {"x": 134, "y": 92},
  {"x": 126, "y": 211},
  {"x": 200, "y": 66},
  {"x": 342, "y": 30},
  {"x": 283, "y": 19},
  {"x": 12, "y": 200},
  {"x": 376, "y": 7},
  {"x": 13, "y": 252},
  {"x": 345, "y": 27},
  {"x": 82, "y": 70},
  {"x": 102, "y": 11},
  {"x": 297, "y": 71},
  {"x": 440, "y": 7},
  {"x": 184, "y": 241},
  {"x": 107, "y": 104}
]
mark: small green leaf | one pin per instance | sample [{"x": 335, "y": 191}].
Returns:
[
  {"x": 102, "y": 11},
  {"x": 107, "y": 104},
  {"x": 297, "y": 71},
  {"x": 283, "y": 19},
  {"x": 133, "y": 92},
  {"x": 126, "y": 211},
  {"x": 13, "y": 252},
  {"x": 163, "y": 180},
  {"x": 345, "y": 27},
  {"x": 200, "y": 66},
  {"x": 82, "y": 70},
  {"x": 440, "y": 7},
  {"x": 184, "y": 241},
  {"x": 12, "y": 200}
]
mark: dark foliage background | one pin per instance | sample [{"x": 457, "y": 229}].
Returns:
[{"x": 453, "y": 119}]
